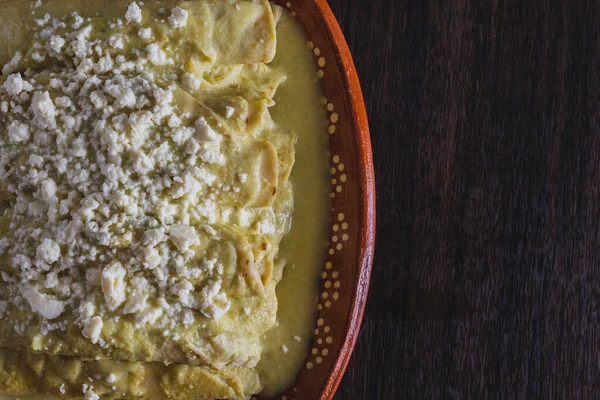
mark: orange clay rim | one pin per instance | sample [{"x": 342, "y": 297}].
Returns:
[{"x": 366, "y": 180}]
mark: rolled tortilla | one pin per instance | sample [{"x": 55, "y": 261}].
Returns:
[
  {"x": 217, "y": 32},
  {"x": 64, "y": 377},
  {"x": 231, "y": 340}
]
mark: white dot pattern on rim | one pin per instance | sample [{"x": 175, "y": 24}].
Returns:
[{"x": 323, "y": 335}]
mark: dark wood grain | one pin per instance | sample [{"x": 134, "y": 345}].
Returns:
[{"x": 485, "y": 122}]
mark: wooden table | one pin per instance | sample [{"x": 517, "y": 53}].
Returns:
[{"x": 485, "y": 121}]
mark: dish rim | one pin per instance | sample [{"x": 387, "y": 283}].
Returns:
[{"x": 367, "y": 204}]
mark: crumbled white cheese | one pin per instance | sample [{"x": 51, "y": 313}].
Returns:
[
  {"x": 38, "y": 57},
  {"x": 114, "y": 285},
  {"x": 174, "y": 121},
  {"x": 55, "y": 44},
  {"x": 48, "y": 190},
  {"x": 63, "y": 101},
  {"x": 136, "y": 303},
  {"x": 150, "y": 316},
  {"x": 44, "y": 111},
  {"x": 214, "y": 303},
  {"x": 243, "y": 217},
  {"x": 152, "y": 257},
  {"x": 18, "y": 132},
  {"x": 187, "y": 318},
  {"x": 204, "y": 133},
  {"x": 183, "y": 237},
  {"x": 191, "y": 80},
  {"x": 92, "y": 329},
  {"x": 134, "y": 13},
  {"x": 90, "y": 394},
  {"x": 43, "y": 304},
  {"x": 48, "y": 251},
  {"x": 145, "y": 33},
  {"x": 78, "y": 20},
  {"x": 182, "y": 289},
  {"x": 265, "y": 227},
  {"x": 13, "y": 84},
  {"x": 156, "y": 55},
  {"x": 111, "y": 378},
  {"x": 13, "y": 64},
  {"x": 86, "y": 310},
  {"x": 116, "y": 41},
  {"x": 178, "y": 17},
  {"x": 98, "y": 99},
  {"x": 104, "y": 64},
  {"x": 124, "y": 96},
  {"x": 229, "y": 111},
  {"x": 152, "y": 237}
]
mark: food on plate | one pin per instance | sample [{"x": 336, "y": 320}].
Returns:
[{"x": 145, "y": 189}]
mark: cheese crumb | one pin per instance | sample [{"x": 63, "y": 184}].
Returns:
[
  {"x": 13, "y": 64},
  {"x": 116, "y": 42},
  {"x": 183, "y": 237},
  {"x": 18, "y": 132},
  {"x": 56, "y": 44},
  {"x": 178, "y": 17},
  {"x": 48, "y": 251},
  {"x": 42, "y": 304},
  {"x": 214, "y": 303},
  {"x": 92, "y": 329},
  {"x": 134, "y": 13},
  {"x": 98, "y": 99},
  {"x": 156, "y": 55},
  {"x": 136, "y": 303},
  {"x": 43, "y": 108},
  {"x": 152, "y": 257},
  {"x": 13, "y": 84},
  {"x": 90, "y": 395},
  {"x": 48, "y": 191},
  {"x": 192, "y": 81},
  {"x": 145, "y": 33},
  {"x": 204, "y": 133},
  {"x": 113, "y": 285}
]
